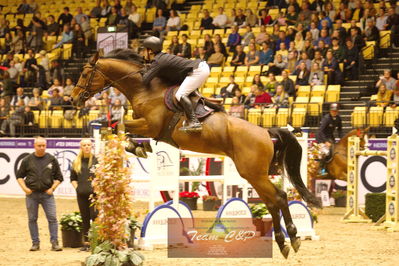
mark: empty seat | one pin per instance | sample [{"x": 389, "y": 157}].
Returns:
[
  {"x": 390, "y": 115},
  {"x": 303, "y": 91},
  {"x": 254, "y": 116},
  {"x": 268, "y": 117},
  {"x": 315, "y": 105},
  {"x": 318, "y": 90},
  {"x": 333, "y": 93},
  {"x": 282, "y": 117},
  {"x": 375, "y": 116},
  {"x": 301, "y": 102},
  {"x": 298, "y": 117},
  {"x": 358, "y": 117}
]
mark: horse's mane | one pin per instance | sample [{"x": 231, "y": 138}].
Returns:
[{"x": 125, "y": 54}]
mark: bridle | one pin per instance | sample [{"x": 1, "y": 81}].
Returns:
[{"x": 85, "y": 95}]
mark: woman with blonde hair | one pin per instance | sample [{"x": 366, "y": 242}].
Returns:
[{"x": 81, "y": 176}]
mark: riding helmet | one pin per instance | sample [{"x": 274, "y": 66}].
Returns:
[
  {"x": 153, "y": 43},
  {"x": 334, "y": 107}
]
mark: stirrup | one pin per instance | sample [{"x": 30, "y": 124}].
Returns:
[{"x": 196, "y": 127}]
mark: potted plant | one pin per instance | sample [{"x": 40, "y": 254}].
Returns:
[
  {"x": 211, "y": 203},
  {"x": 258, "y": 213},
  {"x": 134, "y": 225},
  {"x": 340, "y": 198},
  {"x": 190, "y": 198},
  {"x": 71, "y": 228}
]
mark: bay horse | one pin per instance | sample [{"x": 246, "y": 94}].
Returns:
[
  {"x": 337, "y": 165},
  {"x": 249, "y": 146}
]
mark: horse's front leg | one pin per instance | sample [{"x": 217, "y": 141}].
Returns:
[{"x": 140, "y": 127}]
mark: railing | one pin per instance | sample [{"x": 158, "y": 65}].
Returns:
[{"x": 106, "y": 44}]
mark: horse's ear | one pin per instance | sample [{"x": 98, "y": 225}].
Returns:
[{"x": 94, "y": 58}]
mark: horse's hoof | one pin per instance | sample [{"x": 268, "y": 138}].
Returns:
[
  {"x": 285, "y": 251},
  {"x": 147, "y": 146},
  {"x": 140, "y": 152},
  {"x": 296, "y": 243}
]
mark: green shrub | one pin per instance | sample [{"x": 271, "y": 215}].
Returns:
[{"x": 375, "y": 205}]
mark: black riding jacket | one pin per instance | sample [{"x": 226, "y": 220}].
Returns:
[
  {"x": 327, "y": 126},
  {"x": 170, "y": 68}
]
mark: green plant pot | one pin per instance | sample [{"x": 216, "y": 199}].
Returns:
[
  {"x": 340, "y": 202},
  {"x": 191, "y": 202},
  {"x": 71, "y": 239},
  {"x": 211, "y": 205}
]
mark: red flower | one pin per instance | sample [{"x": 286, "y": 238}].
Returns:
[{"x": 186, "y": 194}]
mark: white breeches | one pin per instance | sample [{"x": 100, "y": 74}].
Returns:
[{"x": 193, "y": 81}]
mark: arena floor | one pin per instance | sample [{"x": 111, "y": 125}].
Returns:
[{"x": 340, "y": 244}]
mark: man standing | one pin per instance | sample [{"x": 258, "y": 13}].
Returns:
[
  {"x": 328, "y": 124},
  {"x": 38, "y": 176}
]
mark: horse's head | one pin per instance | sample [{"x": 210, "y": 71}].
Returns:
[{"x": 90, "y": 82}]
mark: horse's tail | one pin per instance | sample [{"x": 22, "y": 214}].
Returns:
[{"x": 288, "y": 153}]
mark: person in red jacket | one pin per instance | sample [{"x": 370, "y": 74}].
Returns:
[{"x": 262, "y": 97}]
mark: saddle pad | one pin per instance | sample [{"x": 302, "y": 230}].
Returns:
[{"x": 201, "y": 110}]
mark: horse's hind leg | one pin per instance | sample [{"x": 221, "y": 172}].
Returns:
[
  {"x": 268, "y": 193},
  {"x": 282, "y": 203}
]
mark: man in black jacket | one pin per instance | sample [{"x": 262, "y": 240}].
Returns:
[
  {"x": 328, "y": 125},
  {"x": 38, "y": 176},
  {"x": 191, "y": 74},
  {"x": 351, "y": 60}
]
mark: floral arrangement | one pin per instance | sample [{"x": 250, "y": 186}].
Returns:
[
  {"x": 259, "y": 210},
  {"x": 113, "y": 201},
  {"x": 314, "y": 157},
  {"x": 186, "y": 194},
  {"x": 71, "y": 222},
  {"x": 292, "y": 194},
  {"x": 209, "y": 198}
]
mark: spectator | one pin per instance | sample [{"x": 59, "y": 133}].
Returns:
[
  {"x": 229, "y": 90},
  {"x": 173, "y": 22},
  {"x": 56, "y": 86},
  {"x": 271, "y": 85},
  {"x": 116, "y": 94},
  {"x": 35, "y": 39},
  {"x": 281, "y": 19},
  {"x": 68, "y": 87},
  {"x": 7, "y": 44},
  {"x": 258, "y": 82},
  {"x": 13, "y": 71},
  {"x": 105, "y": 9},
  {"x": 86, "y": 28},
  {"x": 363, "y": 20},
  {"x": 4, "y": 27},
  {"x": 321, "y": 47},
  {"x": 381, "y": 21},
  {"x": 341, "y": 30},
  {"x": 79, "y": 15},
  {"x": 283, "y": 51},
  {"x": 236, "y": 109},
  {"x": 324, "y": 37},
  {"x": 78, "y": 41},
  {"x": 20, "y": 26},
  {"x": 238, "y": 57},
  {"x": 4, "y": 111},
  {"x": 357, "y": 12},
  {"x": 53, "y": 28},
  {"x": 16, "y": 119},
  {"x": 261, "y": 98},
  {"x": 65, "y": 18},
  {"x": 33, "y": 6},
  {"x": 353, "y": 26},
  {"x": 24, "y": 8},
  {"x": 56, "y": 71},
  {"x": 280, "y": 99},
  {"x": 305, "y": 11},
  {"x": 371, "y": 32},
  {"x": 67, "y": 36},
  {"x": 252, "y": 58},
  {"x": 220, "y": 21},
  {"x": 337, "y": 50},
  {"x": 265, "y": 55},
  {"x": 231, "y": 19},
  {"x": 309, "y": 50},
  {"x": 136, "y": 18},
  {"x": 330, "y": 11},
  {"x": 159, "y": 22},
  {"x": 395, "y": 98},
  {"x": 39, "y": 187},
  {"x": 116, "y": 111},
  {"x": 240, "y": 96},
  {"x": 316, "y": 76},
  {"x": 240, "y": 18},
  {"x": 278, "y": 65},
  {"x": 18, "y": 65},
  {"x": 292, "y": 15},
  {"x": 265, "y": 18},
  {"x": 318, "y": 58},
  {"x": 292, "y": 61},
  {"x": 261, "y": 37},
  {"x": 282, "y": 39},
  {"x": 67, "y": 107},
  {"x": 96, "y": 10},
  {"x": 56, "y": 100},
  {"x": 206, "y": 21},
  {"x": 81, "y": 176},
  {"x": 218, "y": 41},
  {"x": 392, "y": 24},
  {"x": 185, "y": 47},
  {"x": 175, "y": 45},
  {"x": 302, "y": 74},
  {"x": 351, "y": 59},
  {"x": 216, "y": 59},
  {"x": 7, "y": 60},
  {"x": 387, "y": 80},
  {"x": 299, "y": 42},
  {"x": 357, "y": 39},
  {"x": 288, "y": 84},
  {"x": 324, "y": 17},
  {"x": 29, "y": 117},
  {"x": 383, "y": 96},
  {"x": 19, "y": 96},
  {"x": 304, "y": 59},
  {"x": 113, "y": 17},
  {"x": 201, "y": 54},
  {"x": 36, "y": 102},
  {"x": 331, "y": 68},
  {"x": 117, "y": 5},
  {"x": 248, "y": 36},
  {"x": 234, "y": 39},
  {"x": 30, "y": 68},
  {"x": 208, "y": 45},
  {"x": 250, "y": 19}
]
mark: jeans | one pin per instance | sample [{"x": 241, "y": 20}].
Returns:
[{"x": 48, "y": 203}]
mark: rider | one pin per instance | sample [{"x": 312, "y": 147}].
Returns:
[
  {"x": 191, "y": 74},
  {"x": 328, "y": 124}
]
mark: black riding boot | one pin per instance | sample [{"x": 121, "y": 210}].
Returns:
[{"x": 193, "y": 123}]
